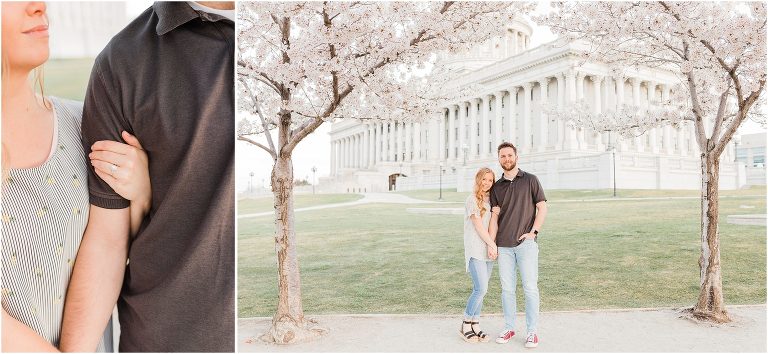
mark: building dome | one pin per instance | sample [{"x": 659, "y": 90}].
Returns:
[{"x": 516, "y": 39}]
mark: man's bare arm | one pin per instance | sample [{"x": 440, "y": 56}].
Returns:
[
  {"x": 96, "y": 279},
  {"x": 541, "y": 214}
]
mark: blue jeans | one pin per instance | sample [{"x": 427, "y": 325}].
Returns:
[
  {"x": 524, "y": 257},
  {"x": 481, "y": 273}
]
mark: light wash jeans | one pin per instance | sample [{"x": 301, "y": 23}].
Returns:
[
  {"x": 481, "y": 273},
  {"x": 524, "y": 257}
]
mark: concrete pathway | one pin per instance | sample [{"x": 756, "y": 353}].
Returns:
[
  {"x": 391, "y": 198},
  {"x": 637, "y": 330}
]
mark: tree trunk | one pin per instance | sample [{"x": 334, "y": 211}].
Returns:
[
  {"x": 288, "y": 324},
  {"x": 710, "y": 306}
]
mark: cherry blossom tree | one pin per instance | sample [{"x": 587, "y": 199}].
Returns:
[
  {"x": 719, "y": 51},
  {"x": 303, "y": 64}
]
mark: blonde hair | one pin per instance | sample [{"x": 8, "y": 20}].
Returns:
[{"x": 479, "y": 194}]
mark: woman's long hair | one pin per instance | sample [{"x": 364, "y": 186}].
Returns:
[{"x": 479, "y": 194}]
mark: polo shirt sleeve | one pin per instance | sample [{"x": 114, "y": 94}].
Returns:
[
  {"x": 102, "y": 120},
  {"x": 494, "y": 199},
  {"x": 537, "y": 192}
]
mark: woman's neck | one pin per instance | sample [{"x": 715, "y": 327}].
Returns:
[{"x": 18, "y": 96}]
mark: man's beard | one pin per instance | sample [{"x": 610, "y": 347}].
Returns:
[{"x": 510, "y": 166}]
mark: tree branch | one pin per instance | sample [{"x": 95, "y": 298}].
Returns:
[{"x": 267, "y": 149}]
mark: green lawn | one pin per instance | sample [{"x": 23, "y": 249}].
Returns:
[
  {"x": 264, "y": 204},
  {"x": 377, "y": 258},
  {"x": 67, "y": 78}
]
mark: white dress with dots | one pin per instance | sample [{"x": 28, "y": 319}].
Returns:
[{"x": 44, "y": 214}]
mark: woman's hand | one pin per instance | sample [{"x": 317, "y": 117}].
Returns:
[
  {"x": 493, "y": 251},
  {"x": 496, "y": 210},
  {"x": 125, "y": 168}
]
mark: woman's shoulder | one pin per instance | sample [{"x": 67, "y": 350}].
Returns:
[
  {"x": 67, "y": 106},
  {"x": 68, "y": 111}
]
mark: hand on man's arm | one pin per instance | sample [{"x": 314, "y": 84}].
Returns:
[
  {"x": 96, "y": 279},
  {"x": 18, "y": 337}
]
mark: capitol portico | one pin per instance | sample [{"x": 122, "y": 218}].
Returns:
[{"x": 517, "y": 82}]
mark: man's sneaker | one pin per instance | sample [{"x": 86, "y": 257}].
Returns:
[
  {"x": 532, "y": 341},
  {"x": 505, "y": 336}
]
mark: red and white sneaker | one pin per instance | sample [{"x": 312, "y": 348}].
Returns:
[
  {"x": 505, "y": 336},
  {"x": 532, "y": 341}
]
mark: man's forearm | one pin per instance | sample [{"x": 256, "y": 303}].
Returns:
[
  {"x": 541, "y": 214},
  {"x": 96, "y": 279}
]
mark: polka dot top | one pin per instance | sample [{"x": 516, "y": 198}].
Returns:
[{"x": 44, "y": 214}]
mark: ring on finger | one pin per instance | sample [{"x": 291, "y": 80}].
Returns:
[{"x": 112, "y": 168}]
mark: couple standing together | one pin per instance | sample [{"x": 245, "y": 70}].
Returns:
[
  {"x": 501, "y": 222},
  {"x": 83, "y": 228}
]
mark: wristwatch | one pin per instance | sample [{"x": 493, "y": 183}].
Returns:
[{"x": 535, "y": 232}]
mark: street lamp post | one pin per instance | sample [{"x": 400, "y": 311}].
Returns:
[
  {"x": 314, "y": 169},
  {"x": 250, "y": 183},
  {"x": 612, "y": 149},
  {"x": 441, "y": 182}
]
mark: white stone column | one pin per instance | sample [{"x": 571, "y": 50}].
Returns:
[
  {"x": 497, "y": 119},
  {"x": 543, "y": 120},
  {"x": 639, "y": 141},
  {"x": 408, "y": 143},
  {"x": 597, "y": 107},
  {"x": 580, "y": 134},
  {"x": 484, "y": 126},
  {"x": 525, "y": 128},
  {"x": 333, "y": 157},
  {"x": 397, "y": 155},
  {"x": 355, "y": 151},
  {"x": 347, "y": 152},
  {"x": 434, "y": 138},
  {"x": 560, "y": 124},
  {"x": 462, "y": 130},
  {"x": 417, "y": 142},
  {"x": 473, "y": 148},
  {"x": 378, "y": 127},
  {"x": 514, "y": 42},
  {"x": 571, "y": 140},
  {"x": 366, "y": 146},
  {"x": 388, "y": 144},
  {"x": 654, "y": 137},
  {"x": 451, "y": 133},
  {"x": 371, "y": 145},
  {"x": 511, "y": 117},
  {"x": 667, "y": 130},
  {"x": 441, "y": 135}
]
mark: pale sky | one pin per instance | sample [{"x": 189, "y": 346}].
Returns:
[{"x": 315, "y": 149}]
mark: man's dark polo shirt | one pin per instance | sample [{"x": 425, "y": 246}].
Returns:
[
  {"x": 517, "y": 199},
  {"x": 168, "y": 78}
]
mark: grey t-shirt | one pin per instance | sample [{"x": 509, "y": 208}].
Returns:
[
  {"x": 517, "y": 199},
  {"x": 168, "y": 78}
]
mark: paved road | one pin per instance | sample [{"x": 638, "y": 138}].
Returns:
[{"x": 643, "y": 330}]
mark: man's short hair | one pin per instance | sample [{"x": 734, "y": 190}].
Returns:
[{"x": 506, "y": 144}]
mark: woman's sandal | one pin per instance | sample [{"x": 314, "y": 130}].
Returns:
[
  {"x": 480, "y": 335},
  {"x": 469, "y": 336}
]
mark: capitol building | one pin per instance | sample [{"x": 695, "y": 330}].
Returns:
[{"x": 517, "y": 81}]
